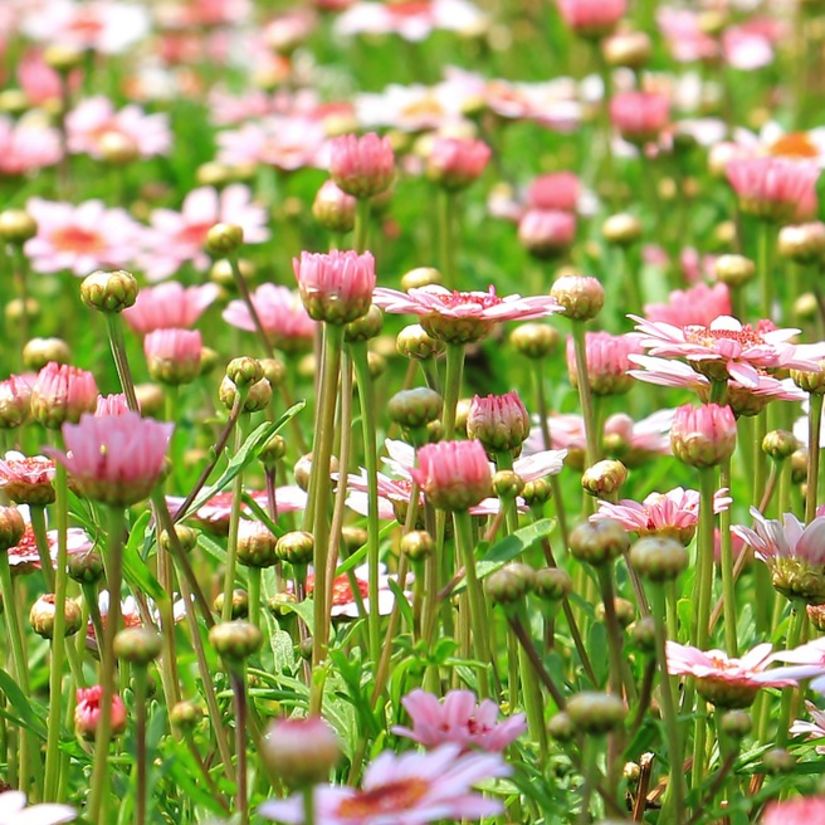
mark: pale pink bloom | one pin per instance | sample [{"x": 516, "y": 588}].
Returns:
[
  {"x": 608, "y": 358},
  {"x": 454, "y": 475},
  {"x": 697, "y": 306},
  {"x": 281, "y": 313},
  {"x": 26, "y": 146},
  {"x": 405, "y": 789},
  {"x": 40, "y": 82},
  {"x": 458, "y": 719},
  {"x": 344, "y": 601},
  {"x": 87, "y": 712},
  {"x": 592, "y": 17},
  {"x": 555, "y": 191},
  {"x": 27, "y": 479},
  {"x": 790, "y": 538},
  {"x": 703, "y": 436},
  {"x": 732, "y": 349},
  {"x": 24, "y": 556},
  {"x": 498, "y": 418},
  {"x": 176, "y": 238},
  {"x": 456, "y": 162},
  {"x": 335, "y": 286},
  {"x": 746, "y": 48},
  {"x": 286, "y": 31},
  {"x": 801, "y": 811},
  {"x": 362, "y": 166},
  {"x": 284, "y": 142},
  {"x": 95, "y": 118},
  {"x": 204, "y": 13},
  {"x": 778, "y": 188},
  {"x": 14, "y": 811},
  {"x": 169, "y": 305},
  {"x": 675, "y": 511},
  {"x": 695, "y": 266},
  {"x": 99, "y": 25},
  {"x": 116, "y": 459},
  {"x": 80, "y": 238},
  {"x": 114, "y": 404},
  {"x": 62, "y": 392},
  {"x": 813, "y": 729},
  {"x": 684, "y": 36},
  {"x": 173, "y": 355},
  {"x": 640, "y": 117},
  {"x": 15, "y": 398},
  {"x": 546, "y": 233}
]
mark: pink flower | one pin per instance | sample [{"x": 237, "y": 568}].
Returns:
[
  {"x": 87, "y": 712},
  {"x": 27, "y": 479},
  {"x": 116, "y": 459},
  {"x": 14, "y": 811},
  {"x": 282, "y": 316},
  {"x": 80, "y": 238},
  {"x": 284, "y": 142},
  {"x": 24, "y": 556},
  {"x": 27, "y": 146},
  {"x": 40, "y": 82},
  {"x": 776, "y": 188},
  {"x": 173, "y": 355},
  {"x": 114, "y": 404},
  {"x": 640, "y": 117},
  {"x": 746, "y": 49},
  {"x": 344, "y": 601},
  {"x": 802, "y": 811},
  {"x": 169, "y": 305},
  {"x": 407, "y": 789},
  {"x": 815, "y": 729},
  {"x": 455, "y": 163},
  {"x": 462, "y": 316},
  {"x": 728, "y": 349},
  {"x": 95, "y": 117},
  {"x": 15, "y": 398},
  {"x": 545, "y": 233},
  {"x": 362, "y": 166},
  {"x": 62, "y": 393},
  {"x": 703, "y": 436},
  {"x": 176, "y": 238},
  {"x": 555, "y": 192},
  {"x": 333, "y": 208},
  {"x": 454, "y": 475},
  {"x": 592, "y": 18},
  {"x": 674, "y": 514},
  {"x": 683, "y": 33},
  {"x": 698, "y": 306},
  {"x": 459, "y": 720},
  {"x": 335, "y": 287},
  {"x": 500, "y": 422},
  {"x": 608, "y": 363}
]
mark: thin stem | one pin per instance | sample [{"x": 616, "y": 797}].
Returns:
[
  {"x": 452, "y": 387},
  {"x": 239, "y": 697},
  {"x": 445, "y": 202},
  {"x": 798, "y": 617},
  {"x": 114, "y": 327},
  {"x": 764, "y": 266},
  {"x": 253, "y": 585},
  {"x": 535, "y": 660},
  {"x": 814, "y": 430},
  {"x": 585, "y": 397},
  {"x": 140, "y": 685},
  {"x": 362, "y": 224},
  {"x": 614, "y": 631},
  {"x": 234, "y": 523},
  {"x": 704, "y": 549},
  {"x": 728, "y": 584}
]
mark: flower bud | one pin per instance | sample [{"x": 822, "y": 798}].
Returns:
[
  {"x": 42, "y": 616},
  {"x": 257, "y": 398},
  {"x": 703, "y": 436},
  {"x": 14, "y": 102},
  {"x": 151, "y": 399},
  {"x": 138, "y": 645},
  {"x": 811, "y": 382},
  {"x": 353, "y": 537},
  {"x": 624, "y": 610},
  {"x": 561, "y": 727},
  {"x": 415, "y": 408},
  {"x": 335, "y": 287},
  {"x": 799, "y": 466},
  {"x": 244, "y": 371},
  {"x": 510, "y": 584},
  {"x": 301, "y": 752},
  {"x": 622, "y": 229},
  {"x": 599, "y": 542},
  {"x": 802, "y": 244},
  {"x": 507, "y": 484},
  {"x": 778, "y": 760},
  {"x": 17, "y": 309},
  {"x": 417, "y": 545},
  {"x": 643, "y": 634},
  {"x": 187, "y": 538},
  {"x": 333, "y": 208},
  {"x": 552, "y": 584},
  {"x": 62, "y": 393},
  {"x": 736, "y": 724},
  {"x": 235, "y": 641},
  {"x": 62, "y": 58},
  {"x": 303, "y": 470},
  {"x": 85, "y": 568},
  {"x": 596, "y": 713},
  {"x": 274, "y": 371},
  {"x": 547, "y": 234},
  {"x": 414, "y": 342},
  {"x": 627, "y": 49},
  {"x": 419, "y": 277},
  {"x": 256, "y": 545},
  {"x": 534, "y": 340},
  {"x": 581, "y": 296},
  {"x": 280, "y": 606},
  {"x": 816, "y": 616},
  {"x": 273, "y": 451},
  {"x": 222, "y": 274},
  {"x": 12, "y": 527},
  {"x": 453, "y": 475},
  {"x": 499, "y": 422},
  {"x": 15, "y": 402},
  {"x": 17, "y": 226},
  {"x": 779, "y": 444},
  {"x": 734, "y": 270},
  {"x": 109, "y": 291},
  {"x": 87, "y": 712},
  {"x": 537, "y": 492},
  {"x": 806, "y": 306},
  {"x": 38, "y": 352},
  {"x": 631, "y": 773},
  {"x": 604, "y": 478},
  {"x": 224, "y": 239},
  {"x": 240, "y": 604},
  {"x": 362, "y": 166},
  {"x": 185, "y": 716},
  {"x": 295, "y": 547},
  {"x": 658, "y": 558},
  {"x": 367, "y": 326}
]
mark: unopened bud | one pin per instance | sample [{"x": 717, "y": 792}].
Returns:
[
  {"x": 552, "y": 584},
  {"x": 537, "y": 493},
  {"x": 417, "y": 545},
  {"x": 596, "y": 713},
  {"x": 274, "y": 371},
  {"x": 301, "y": 752},
  {"x": 43, "y": 613},
  {"x": 17, "y": 226},
  {"x": 643, "y": 633},
  {"x": 622, "y": 229},
  {"x": 40, "y": 351},
  {"x": 415, "y": 342},
  {"x": 734, "y": 270},
  {"x": 150, "y": 398},
  {"x": 534, "y": 340},
  {"x": 802, "y": 244},
  {"x": 224, "y": 239},
  {"x": 780, "y": 444},
  {"x": 599, "y": 542},
  {"x": 778, "y": 761},
  {"x": 333, "y": 208},
  {"x": 561, "y": 727},
  {"x": 85, "y": 568},
  {"x": 187, "y": 538},
  {"x": 185, "y": 716},
  {"x": 811, "y": 382},
  {"x": 295, "y": 547},
  {"x": 736, "y": 724},
  {"x": 581, "y": 296},
  {"x": 419, "y": 277},
  {"x": 257, "y": 398},
  {"x": 507, "y": 484},
  {"x": 658, "y": 558},
  {"x": 366, "y": 327},
  {"x": 799, "y": 465},
  {"x": 236, "y": 640},
  {"x": 138, "y": 645},
  {"x": 604, "y": 478},
  {"x": 240, "y": 604},
  {"x": 415, "y": 408},
  {"x": 624, "y": 610},
  {"x": 273, "y": 451},
  {"x": 244, "y": 371},
  {"x": 12, "y": 527},
  {"x": 509, "y": 584},
  {"x": 256, "y": 545},
  {"x": 303, "y": 470}
]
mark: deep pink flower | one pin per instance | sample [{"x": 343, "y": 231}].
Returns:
[
  {"x": 114, "y": 404},
  {"x": 62, "y": 393},
  {"x": 335, "y": 287},
  {"x": 27, "y": 479},
  {"x": 607, "y": 360},
  {"x": 362, "y": 166},
  {"x": 455, "y": 163},
  {"x": 462, "y": 316},
  {"x": 27, "y": 146},
  {"x": 801, "y": 811},
  {"x": 87, "y": 712},
  {"x": 499, "y": 422},
  {"x": 80, "y": 238},
  {"x": 454, "y": 475},
  {"x": 407, "y": 789},
  {"x": 592, "y": 18},
  {"x": 640, "y": 117},
  {"x": 555, "y": 191},
  {"x": 169, "y": 305},
  {"x": 545, "y": 233},
  {"x": 458, "y": 719},
  {"x": 698, "y": 306},
  {"x": 25, "y": 557},
  {"x": 173, "y": 355},
  {"x": 116, "y": 459},
  {"x": 776, "y": 188},
  {"x": 281, "y": 313},
  {"x": 728, "y": 349},
  {"x": 703, "y": 436}
]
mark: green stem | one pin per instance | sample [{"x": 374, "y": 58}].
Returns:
[
  {"x": 814, "y": 430},
  {"x": 253, "y": 584},
  {"x": 728, "y": 582},
  {"x": 704, "y": 550},
  {"x": 531, "y": 692},
  {"x": 38, "y": 521},
  {"x": 309, "y": 804},
  {"x": 241, "y": 708},
  {"x": 764, "y": 264},
  {"x": 234, "y": 523},
  {"x": 114, "y": 327},
  {"x": 798, "y": 617},
  {"x": 614, "y": 632},
  {"x": 452, "y": 387},
  {"x": 140, "y": 685},
  {"x": 585, "y": 397},
  {"x": 445, "y": 202},
  {"x": 362, "y": 224}
]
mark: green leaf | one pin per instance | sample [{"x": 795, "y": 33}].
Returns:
[
  {"x": 135, "y": 570},
  {"x": 403, "y": 604},
  {"x": 20, "y": 702},
  {"x": 262, "y": 515},
  {"x": 303, "y": 610},
  {"x": 357, "y": 558}
]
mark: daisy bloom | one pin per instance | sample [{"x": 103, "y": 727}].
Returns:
[
  {"x": 281, "y": 313},
  {"x": 793, "y": 551},
  {"x": 462, "y": 317},
  {"x": 454, "y": 475},
  {"x": 458, "y": 719},
  {"x": 283, "y": 142},
  {"x": 95, "y": 118},
  {"x": 547, "y": 233},
  {"x": 80, "y": 238},
  {"x": 62, "y": 393},
  {"x": 173, "y": 356},
  {"x": 27, "y": 146},
  {"x": 176, "y": 238},
  {"x": 336, "y": 287},
  {"x": 405, "y": 789},
  {"x": 169, "y": 306},
  {"x": 640, "y": 117},
  {"x": 455, "y": 163},
  {"x": 555, "y": 191},
  {"x": 25, "y": 557},
  {"x": 813, "y": 729},
  {"x": 362, "y": 166},
  {"x": 15, "y": 400},
  {"x": 698, "y": 306},
  {"x": 803, "y": 811},
  {"x": 14, "y": 811},
  {"x": 87, "y": 712},
  {"x": 27, "y": 479},
  {"x": 114, "y": 404},
  {"x": 344, "y": 601},
  {"x": 608, "y": 363}
]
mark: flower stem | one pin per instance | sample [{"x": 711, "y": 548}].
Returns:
[
  {"x": 37, "y": 514},
  {"x": 452, "y": 387},
  {"x": 728, "y": 581},
  {"x": 234, "y": 523},
  {"x": 585, "y": 398},
  {"x": 360, "y": 233},
  {"x": 309, "y": 805},
  {"x": 814, "y": 430},
  {"x": 614, "y": 632},
  {"x": 445, "y": 202},
  {"x": 704, "y": 550},
  {"x": 114, "y": 327},
  {"x": 253, "y": 581},
  {"x": 798, "y": 617},
  {"x": 764, "y": 266},
  {"x": 140, "y": 686},
  {"x": 239, "y": 696}
]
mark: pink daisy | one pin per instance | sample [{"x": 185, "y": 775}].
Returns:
[
  {"x": 27, "y": 146},
  {"x": 27, "y": 479},
  {"x": 281, "y": 313},
  {"x": 284, "y": 142},
  {"x": 169, "y": 306},
  {"x": 776, "y": 188},
  {"x": 458, "y": 719},
  {"x": 802, "y": 811},
  {"x": 80, "y": 238},
  {"x": 697, "y": 306},
  {"x": 345, "y": 603},
  {"x": 24, "y": 556},
  {"x": 813, "y": 729}
]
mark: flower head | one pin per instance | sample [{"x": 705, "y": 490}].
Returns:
[
  {"x": 27, "y": 479},
  {"x": 87, "y": 712},
  {"x": 813, "y": 729},
  {"x": 27, "y": 146},
  {"x": 546, "y": 233},
  {"x": 592, "y": 18},
  {"x": 703, "y": 436},
  {"x": 803, "y": 811},
  {"x": 607, "y": 361},
  {"x": 499, "y": 422},
  {"x": 62, "y": 393},
  {"x": 555, "y": 192},
  {"x": 14, "y": 811},
  {"x": 15, "y": 400},
  {"x": 362, "y": 166},
  {"x": 458, "y": 719},
  {"x": 698, "y": 306},
  {"x": 454, "y": 475},
  {"x": 455, "y": 163},
  {"x": 170, "y": 305},
  {"x": 282, "y": 316},
  {"x": 173, "y": 355},
  {"x": 336, "y": 287},
  {"x": 640, "y": 117},
  {"x": 116, "y": 459},
  {"x": 775, "y": 188}
]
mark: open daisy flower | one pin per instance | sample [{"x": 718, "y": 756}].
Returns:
[
  {"x": 345, "y": 603},
  {"x": 14, "y": 811}
]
